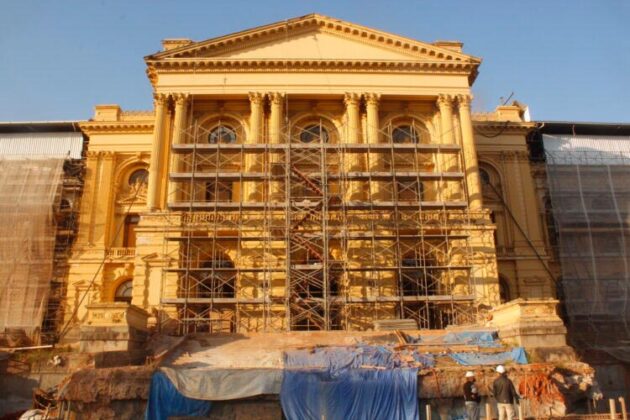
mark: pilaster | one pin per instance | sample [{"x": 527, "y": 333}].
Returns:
[
  {"x": 153, "y": 193},
  {"x": 89, "y": 200},
  {"x": 106, "y": 220}
]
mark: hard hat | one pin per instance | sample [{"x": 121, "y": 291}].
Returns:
[
  {"x": 500, "y": 369},
  {"x": 470, "y": 374}
]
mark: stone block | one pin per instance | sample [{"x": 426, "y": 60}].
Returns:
[
  {"x": 530, "y": 323},
  {"x": 112, "y": 327}
]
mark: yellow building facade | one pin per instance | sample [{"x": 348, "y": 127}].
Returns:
[{"x": 311, "y": 174}]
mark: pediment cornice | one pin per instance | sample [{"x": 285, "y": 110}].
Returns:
[
  {"x": 207, "y": 55},
  {"x": 210, "y": 64}
]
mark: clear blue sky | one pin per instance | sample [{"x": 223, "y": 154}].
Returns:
[{"x": 568, "y": 60}]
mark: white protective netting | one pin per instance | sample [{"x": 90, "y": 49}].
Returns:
[
  {"x": 28, "y": 187},
  {"x": 589, "y": 185}
]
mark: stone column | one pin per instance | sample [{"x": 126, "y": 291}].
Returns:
[
  {"x": 277, "y": 158},
  {"x": 153, "y": 193},
  {"x": 255, "y": 136},
  {"x": 445, "y": 103},
  {"x": 373, "y": 129},
  {"x": 470, "y": 153},
  {"x": 181, "y": 102},
  {"x": 352, "y": 161},
  {"x": 447, "y": 190},
  {"x": 106, "y": 223}
]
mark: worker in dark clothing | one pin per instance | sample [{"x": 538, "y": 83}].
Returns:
[
  {"x": 471, "y": 397},
  {"x": 504, "y": 392}
]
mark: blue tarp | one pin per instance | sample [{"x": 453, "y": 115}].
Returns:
[
  {"x": 469, "y": 358},
  {"x": 364, "y": 382},
  {"x": 351, "y": 394},
  {"x": 340, "y": 358},
  {"x": 165, "y": 401}
]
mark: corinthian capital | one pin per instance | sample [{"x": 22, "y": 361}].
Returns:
[
  {"x": 372, "y": 98},
  {"x": 160, "y": 98},
  {"x": 180, "y": 98},
  {"x": 464, "y": 100},
  {"x": 445, "y": 100},
  {"x": 256, "y": 97},
  {"x": 351, "y": 98},
  {"x": 276, "y": 98}
]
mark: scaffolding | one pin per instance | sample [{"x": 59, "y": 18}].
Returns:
[
  {"x": 28, "y": 187},
  {"x": 312, "y": 233},
  {"x": 590, "y": 199},
  {"x": 66, "y": 208}
]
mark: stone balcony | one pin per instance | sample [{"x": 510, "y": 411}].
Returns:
[{"x": 120, "y": 253}]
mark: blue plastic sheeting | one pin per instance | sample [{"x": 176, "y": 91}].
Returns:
[
  {"x": 336, "y": 359},
  {"x": 473, "y": 338},
  {"x": 165, "y": 401},
  {"x": 516, "y": 355},
  {"x": 427, "y": 360},
  {"x": 350, "y": 394}
]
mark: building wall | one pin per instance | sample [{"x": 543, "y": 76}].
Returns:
[
  {"x": 268, "y": 108},
  {"x": 514, "y": 199}
]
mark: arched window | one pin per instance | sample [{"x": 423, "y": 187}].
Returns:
[
  {"x": 490, "y": 183},
  {"x": 484, "y": 176},
  {"x": 222, "y": 134},
  {"x": 314, "y": 133},
  {"x": 405, "y": 134},
  {"x": 123, "y": 292},
  {"x": 139, "y": 176}
]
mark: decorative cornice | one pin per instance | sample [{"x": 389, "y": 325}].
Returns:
[
  {"x": 493, "y": 127},
  {"x": 152, "y": 75},
  {"x": 514, "y": 155},
  {"x": 210, "y": 65},
  {"x": 118, "y": 127}
]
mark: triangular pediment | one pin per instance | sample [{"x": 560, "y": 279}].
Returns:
[{"x": 314, "y": 37}]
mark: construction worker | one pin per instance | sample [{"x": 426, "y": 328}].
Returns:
[
  {"x": 471, "y": 397},
  {"x": 504, "y": 392}
]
